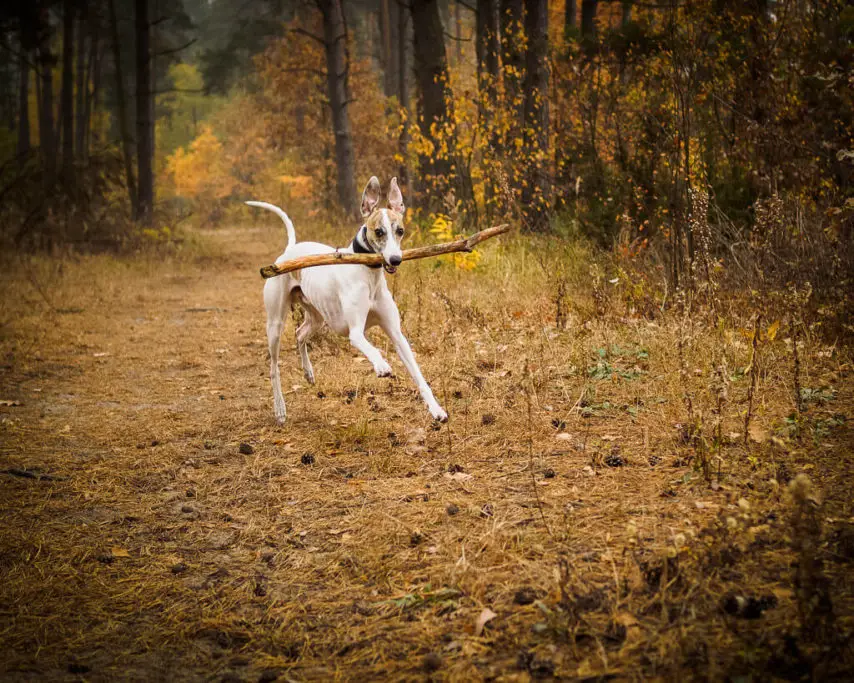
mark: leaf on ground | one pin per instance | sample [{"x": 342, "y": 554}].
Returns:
[
  {"x": 416, "y": 436},
  {"x": 563, "y": 436},
  {"x": 6, "y": 403},
  {"x": 485, "y": 617},
  {"x": 458, "y": 476},
  {"x": 116, "y": 551},
  {"x": 758, "y": 434}
]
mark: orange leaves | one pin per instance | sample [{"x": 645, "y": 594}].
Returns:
[{"x": 201, "y": 173}]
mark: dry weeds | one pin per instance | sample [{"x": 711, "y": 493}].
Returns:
[{"x": 143, "y": 540}]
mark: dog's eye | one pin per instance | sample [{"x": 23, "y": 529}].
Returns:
[
  {"x": 399, "y": 231},
  {"x": 379, "y": 232}
]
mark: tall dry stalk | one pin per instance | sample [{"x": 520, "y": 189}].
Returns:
[
  {"x": 689, "y": 432},
  {"x": 754, "y": 372},
  {"x": 528, "y": 383},
  {"x": 796, "y": 369}
]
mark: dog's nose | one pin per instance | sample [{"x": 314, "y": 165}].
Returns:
[{"x": 394, "y": 261}]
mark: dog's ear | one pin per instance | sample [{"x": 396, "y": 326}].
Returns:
[
  {"x": 395, "y": 199},
  {"x": 371, "y": 196}
]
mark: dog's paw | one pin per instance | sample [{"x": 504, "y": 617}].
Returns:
[
  {"x": 383, "y": 369},
  {"x": 309, "y": 376},
  {"x": 438, "y": 414},
  {"x": 281, "y": 419}
]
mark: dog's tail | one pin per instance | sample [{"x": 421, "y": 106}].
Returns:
[{"x": 289, "y": 226}]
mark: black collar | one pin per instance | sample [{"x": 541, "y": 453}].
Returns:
[{"x": 360, "y": 244}]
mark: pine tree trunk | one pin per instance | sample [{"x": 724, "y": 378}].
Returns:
[
  {"x": 458, "y": 24},
  {"x": 626, "y": 15},
  {"x": 337, "y": 80},
  {"x": 536, "y": 193},
  {"x": 124, "y": 128},
  {"x": 403, "y": 90},
  {"x": 588, "y": 18},
  {"x": 47, "y": 138},
  {"x": 512, "y": 27},
  {"x": 570, "y": 20},
  {"x": 488, "y": 47},
  {"x": 82, "y": 89},
  {"x": 67, "y": 93},
  {"x": 431, "y": 72},
  {"x": 93, "y": 76},
  {"x": 23, "y": 147},
  {"x": 144, "y": 123}
]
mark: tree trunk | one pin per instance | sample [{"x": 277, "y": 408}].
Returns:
[
  {"x": 512, "y": 36},
  {"x": 488, "y": 47},
  {"x": 67, "y": 93},
  {"x": 124, "y": 128},
  {"x": 626, "y": 15},
  {"x": 394, "y": 10},
  {"x": 536, "y": 193},
  {"x": 23, "y": 148},
  {"x": 144, "y": 123},
  {"x": 82, "y": 89},
  {"x": 570, "y": 19},
  {"x": 338, "y": 87},
  {"x": 436, "y": 100},
  {"x": 93, "y": 76},
  {"x": 588, "y": 18},
  {"x": 47, "y": 139},
  {"x": 403, "y": 89},
  {"x": 458, "y": 24},
  {"x": 385, "y": 33}
]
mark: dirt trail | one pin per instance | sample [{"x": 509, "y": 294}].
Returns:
[{"x": 159, "y": 526}]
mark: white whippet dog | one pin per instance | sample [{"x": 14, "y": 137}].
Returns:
[{"x": 349, "y": 298}]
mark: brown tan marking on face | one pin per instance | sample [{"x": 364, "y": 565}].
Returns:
[{"x": 379, "y": 223}]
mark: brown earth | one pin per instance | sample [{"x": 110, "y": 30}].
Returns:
[{"x": 158, "y": 525}]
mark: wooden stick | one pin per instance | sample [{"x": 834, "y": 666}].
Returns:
[{"x": 337, "y": 258}]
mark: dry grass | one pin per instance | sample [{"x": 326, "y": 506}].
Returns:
[{"x": 149, "y": 547}]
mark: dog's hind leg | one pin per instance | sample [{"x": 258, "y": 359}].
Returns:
[
  {"x": 312, "y": 323},
  {"x": 277, "y": 303}
]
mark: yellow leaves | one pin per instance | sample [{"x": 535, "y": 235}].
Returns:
[
  {"x": 442, "y": 228},
  {"x": 772, "y": 330}
]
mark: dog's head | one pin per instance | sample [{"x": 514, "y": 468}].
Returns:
[{"x": 385, "y": 228}]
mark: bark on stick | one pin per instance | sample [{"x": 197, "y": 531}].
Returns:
[{"x": 337, "y": 258}]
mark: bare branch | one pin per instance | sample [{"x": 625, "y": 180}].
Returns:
[
  {"x": 172, "y": 51},
  {"x": 337, "y": 258},
  {"x": 308, "y": 34}
]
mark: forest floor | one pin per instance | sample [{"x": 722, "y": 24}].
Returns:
[{"x": 158, "y": 525}]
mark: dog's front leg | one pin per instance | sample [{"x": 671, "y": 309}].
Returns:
[
  {"x": 356, "y": 321},
  {"x": 389, "y": 319},
  {"x": 360, "y": 341}
]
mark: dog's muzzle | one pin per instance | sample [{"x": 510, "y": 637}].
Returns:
[{"x": 393, "y": 263}]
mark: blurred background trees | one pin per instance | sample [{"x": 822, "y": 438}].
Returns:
[{"x": 634, "y": 124}]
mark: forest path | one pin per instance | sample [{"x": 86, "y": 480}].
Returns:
[{"x": 159, "y": 526}]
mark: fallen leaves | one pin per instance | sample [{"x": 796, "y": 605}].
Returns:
[{"x": 483, "y": 619}]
